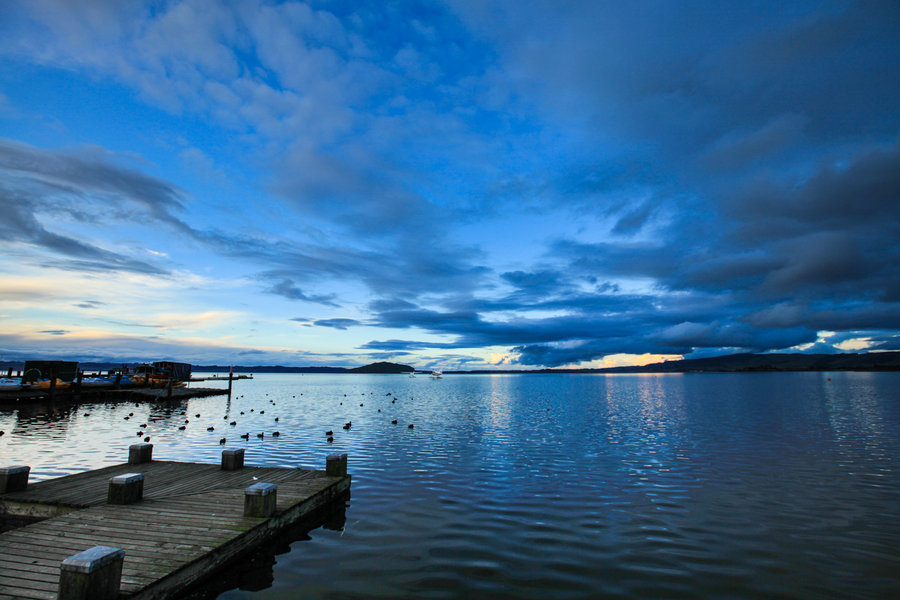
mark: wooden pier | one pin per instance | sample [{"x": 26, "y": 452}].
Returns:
[
  {"x": 189, "y": 521},
  {"x": 105, "y": 394}
]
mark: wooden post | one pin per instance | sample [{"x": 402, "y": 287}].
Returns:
[
  {"x": 232, "y": 459},
  {"x": 140, "y": 453},
  {"x": 169, "y": 386},
  {"x": 95, "y": 574},
  {"x": 230, "y": 379},
  {"x": 336, "y": 465},
  {"x": 14, "y": 479},
  {"x": 127, "y": 488},
  {"x": 259, "y": 500},
  {"x": 78, "y": 381},
  {"x": 118, "y": 380}
]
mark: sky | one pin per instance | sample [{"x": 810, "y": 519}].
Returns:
[{"x": 458, "y": 184}]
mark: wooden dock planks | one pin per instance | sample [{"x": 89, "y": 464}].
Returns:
[{"x": 189, "y": 523}]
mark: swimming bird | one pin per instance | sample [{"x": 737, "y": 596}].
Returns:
[
  {"x": 197, "y": 415},
  {"x": 140, "y": 433},
  {"x": 210, "y": 428},
  {"x": 87, "y": 414},
  {"x": 260, "y": 435},
  {"x": 233, "y": 423},
  {"x": 393, "y": 401},
  {"x": 130, "y": 414},
  {"x": 329, "y": 432},
  {"x": 276, "y": 419},
  {"x": 410, "y": 426},
  {"x": 276, "y": 433},
  {"x": 361, "y": 404},
  {"x": 246, "y": 436},
  {"x": 262, "y": 412},
  {"x": 222, "y": 441},
  {"x": 242, "y": 412},
  {"x": 2, "y": 432},
  {"x": 182, "y": 428},
  {"x": 144, "y": 425},
  {"x": 347, "y": 425},
  {"x": 147, "y": 439},
  {"x": 126, "y": 418},
  {"x": 330, "y": 439},
  {"x": 394, "y": 421}
]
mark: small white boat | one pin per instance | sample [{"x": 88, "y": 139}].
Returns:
[{"x": 437, "y": 374}]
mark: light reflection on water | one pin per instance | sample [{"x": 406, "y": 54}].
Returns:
[{"x": 627, "y": 486}]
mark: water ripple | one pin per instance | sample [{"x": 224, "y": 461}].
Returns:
[{"x": 682, "y": 486}]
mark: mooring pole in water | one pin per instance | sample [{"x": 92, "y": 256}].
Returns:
[
  {"x": 230, "y": 379},
  {"x": 95, "y": 574},
  {"x": 169, "y": 386}
]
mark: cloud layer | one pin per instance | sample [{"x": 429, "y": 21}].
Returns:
[{"x": 554, "y": 182}]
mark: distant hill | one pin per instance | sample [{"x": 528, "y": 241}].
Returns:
[
  {"x": 869, "y": 361},
  {"x": 743, "y": 363},
  {"x": 733, "y": 363},
  {"x": 382, "y": 367}
]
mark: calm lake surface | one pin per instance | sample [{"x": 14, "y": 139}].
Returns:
[{"x": 769, "y": 485}]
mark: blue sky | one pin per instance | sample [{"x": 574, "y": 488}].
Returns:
[{"x": 447, "y": 184}]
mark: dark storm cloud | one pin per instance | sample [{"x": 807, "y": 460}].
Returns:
[
  {"x": 90, "y": 304},
  {"x": 536, "y": 283},
  {"x": 287, "y": 289},
  {"x": 404, "y": 345},
  {"x": 33, "y": 180},
  {"x": 386, "y": 355},
  {"x": 342, "y": 324}
]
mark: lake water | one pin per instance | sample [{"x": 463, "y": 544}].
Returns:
[{"x": 769, "y": 485}]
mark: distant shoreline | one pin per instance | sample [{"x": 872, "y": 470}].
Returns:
[{"x": 734, "y": 363}]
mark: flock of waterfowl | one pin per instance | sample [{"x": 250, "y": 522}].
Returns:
[{"x": 143, "y": 431}]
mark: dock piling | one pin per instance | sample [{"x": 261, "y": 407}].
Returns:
[
  {"x": 127, "y": 488},
  {"x": 14, "y": 479},
  {"x": 233, "y": 459},
  {"x": 336, "y": 465},
  {"x": 140, "y": 453},
  {"x": 259, "y": 500},
  {"x": 95, "y": 574}
]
